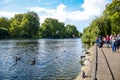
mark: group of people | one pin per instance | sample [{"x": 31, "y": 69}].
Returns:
[{"x": 112, "y": 41}]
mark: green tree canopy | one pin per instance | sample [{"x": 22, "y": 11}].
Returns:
[
  {"x": 52, "y": 28},
  {"x": 30, "y": 24},
  {"x": 106, "y": 24},
  {"x": 4, "y": 23},
  {"x": 27, "y": 26},
  {"x": 24, "y": 25},
  {"x": 71, "y": 31},
  {"x": 15, "y": 25},
  {"x": 112, "y": 11},
  {"x": 4, "y": 27}
]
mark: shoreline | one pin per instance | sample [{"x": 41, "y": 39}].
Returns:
[{"x": 87, "y": 67}]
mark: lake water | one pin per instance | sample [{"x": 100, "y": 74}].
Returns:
[{"x": 55, "y": 59}]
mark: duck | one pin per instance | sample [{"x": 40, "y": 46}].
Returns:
[
  {"x": 32, "y": 62},
  {"x": 17, "y": 58},
  {"x": 64, "y": 51}
]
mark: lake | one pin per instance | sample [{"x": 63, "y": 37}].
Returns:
[{"x": 54, "y": 59}]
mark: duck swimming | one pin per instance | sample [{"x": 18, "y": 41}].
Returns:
[
  {"x": 32, "y": 62},
  {"x": 17, "y": 58}
]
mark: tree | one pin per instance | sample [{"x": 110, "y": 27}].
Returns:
[
  {"x": 4, "y": 23},
  {"x": 115, "y": 21},
  {"x": 4, "y": 27},
  {"x": 27, "y": 26},
  {"x": 112, "y": 11},
  {"x": 4, "y": 33},
  {"x": 106, "y": 24},
  {"x": 99, "y": 26},
  {"x": 52, "y": 28},
  {"x": 30, "y": 24},
  {"x": 71, "y": 31},
  {"x": 15, "y": 25}
]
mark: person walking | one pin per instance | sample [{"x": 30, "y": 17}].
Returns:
[
  {"x": 113, "y": 43},
  {"x": 107, "y": 39},
  {"x": 118, "y": 41}
]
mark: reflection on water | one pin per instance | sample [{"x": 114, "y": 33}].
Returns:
[{"x": 55, "y": 59}]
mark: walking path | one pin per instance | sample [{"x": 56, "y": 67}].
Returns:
[
  {"x": 108, "y": 65},
  {"x": 103, "y": 72}
]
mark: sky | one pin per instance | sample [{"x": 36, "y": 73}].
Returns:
[{"x": 76, "y": 12}]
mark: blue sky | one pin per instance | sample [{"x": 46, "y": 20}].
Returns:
[{"x": 77, "y": 12}]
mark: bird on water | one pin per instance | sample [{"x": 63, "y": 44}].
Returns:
[
  {"x": 32, "y": 62},
  {"x": 17, "y": 58}
]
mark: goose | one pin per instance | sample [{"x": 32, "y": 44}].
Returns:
[
  {"x": 64, "y": 51},
  {"x": 17, "y": 58},
  {"x": 32, "y": 62}
]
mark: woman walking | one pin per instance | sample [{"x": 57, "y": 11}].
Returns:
[{"x": 113, "y": 43}]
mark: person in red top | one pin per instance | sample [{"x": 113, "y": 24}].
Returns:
[{"x": 108, "y": 40}]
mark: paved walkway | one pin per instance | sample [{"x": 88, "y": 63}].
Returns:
[
  {"x": 108, "y": 65},
  {"x": 108, "y": 69}
]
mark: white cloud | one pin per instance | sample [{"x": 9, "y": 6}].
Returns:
[
  {"x": 58, "y": 12},
  {"x": 61, "y": 7},
  {"x": 7, "y": 14},
  {"x": 91, "y": 8},
  {"x": 94, "y": 7},
  {"x": 37, "y": 9}
]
